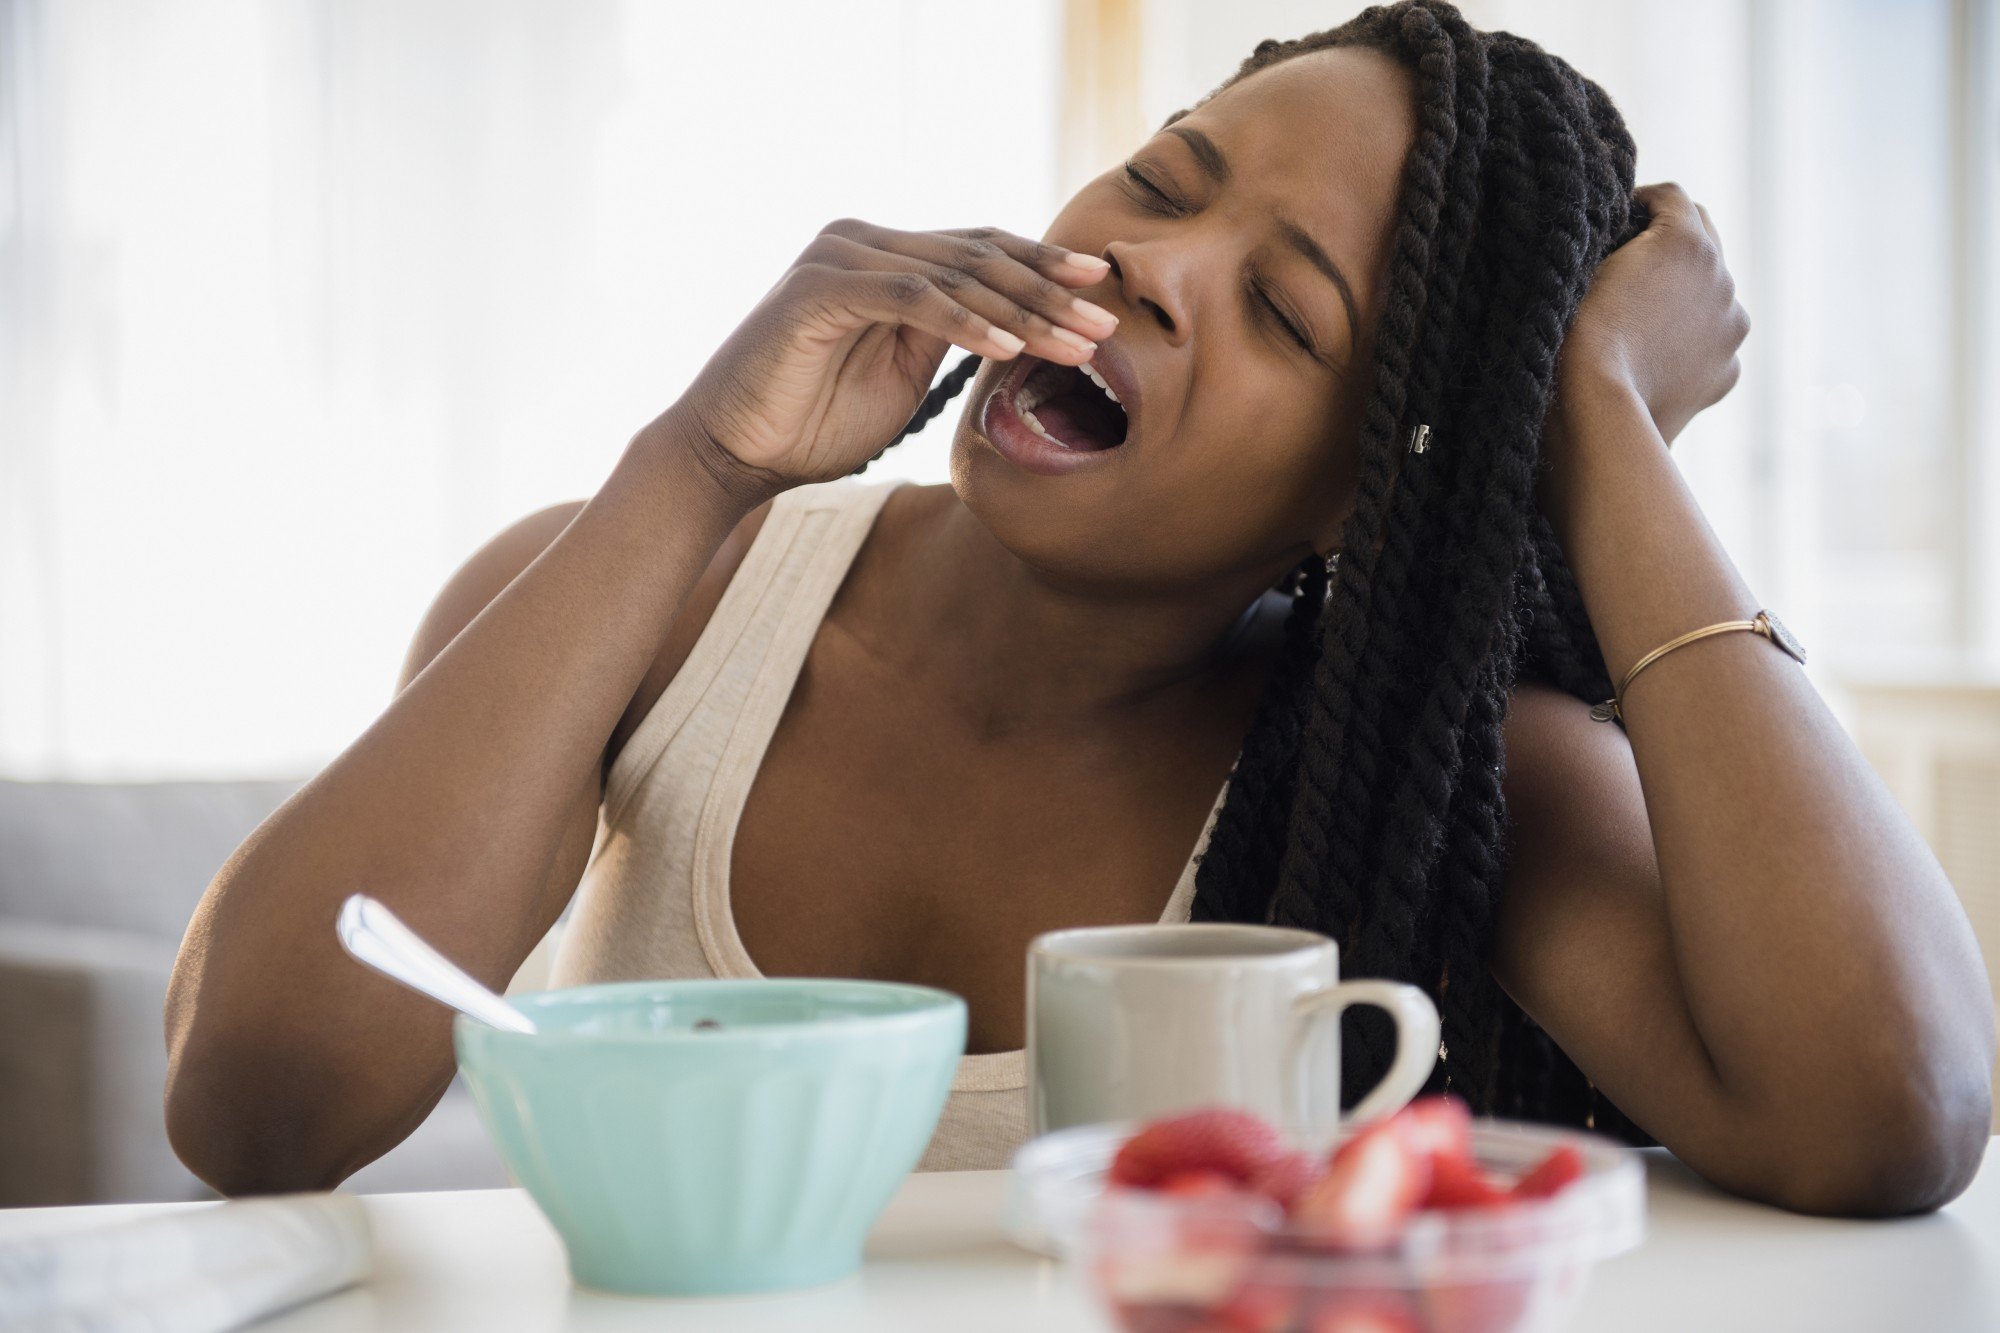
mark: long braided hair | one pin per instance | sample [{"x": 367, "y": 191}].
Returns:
[{"x": 1366, "y": 802}]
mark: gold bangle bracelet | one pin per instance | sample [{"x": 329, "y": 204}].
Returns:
[{"x": 1764, "y": 623}]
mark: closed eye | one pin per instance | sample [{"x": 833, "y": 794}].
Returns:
[
  {"x": 1149, "y": 195},
  {"x": 1264, "y": 298}
]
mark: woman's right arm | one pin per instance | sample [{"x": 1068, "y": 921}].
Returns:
[{"x": 470, "y": 804}]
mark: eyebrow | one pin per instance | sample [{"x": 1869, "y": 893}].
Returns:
[{"x": 1216, "y": 167}]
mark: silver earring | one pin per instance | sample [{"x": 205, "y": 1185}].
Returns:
[
  {"x": 1420, "y": 439},
  {"x": 1297, "y": 583}
]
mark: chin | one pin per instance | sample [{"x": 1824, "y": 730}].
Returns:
[{"x": 1066, "y": 528}]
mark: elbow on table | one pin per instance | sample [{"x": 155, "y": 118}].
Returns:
[
  {"x": 1912, "y": 1156},
  {"x": 237, "y": 1154},
  {"x": 235, "y": 1168},
  {"x": 240, "y": 1138}
]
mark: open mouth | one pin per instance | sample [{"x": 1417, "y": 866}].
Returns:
[{"x": 1070, "y": 406}]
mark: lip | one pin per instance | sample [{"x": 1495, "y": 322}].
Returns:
[{"x": 1015, "y": 441}]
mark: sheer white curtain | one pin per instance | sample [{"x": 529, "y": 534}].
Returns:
[{"x": 300, "y": 300}]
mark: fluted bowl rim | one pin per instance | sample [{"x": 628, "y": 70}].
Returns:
[{"x": 878, "y": 1008}]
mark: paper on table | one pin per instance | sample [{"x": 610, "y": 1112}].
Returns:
[{"x": 194, "y": 1271}]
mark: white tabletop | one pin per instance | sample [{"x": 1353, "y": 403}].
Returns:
[{"x": 486, "y": 1260}]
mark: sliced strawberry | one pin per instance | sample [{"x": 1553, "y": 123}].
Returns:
[
  {"x": 1199, "y": 1183},
  {"x": 1368, "y": 1309},
  {"x": 1459, "y": 1182},
  {"x": 1440, "y": 1125},
  {"x": 1193, "y": 1251},
  {"x": 1162, "y": 1317},
  {"x": 1267, "y": 1300},
  {"x": 1286, "y": 1179},
  {"x": 1235, "y": 1143},
  {"x": 1563, "y": 1165},
  {"x": 1365, "y": 1321},
  {"x": 1478, "y": 1307},
  {"x": 1372, "y": 1184}
]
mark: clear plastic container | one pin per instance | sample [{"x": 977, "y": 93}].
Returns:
[{"x": 1231, "y": 1264}]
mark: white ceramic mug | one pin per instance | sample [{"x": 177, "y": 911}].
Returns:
[{"x": 1131, "y": 1022}]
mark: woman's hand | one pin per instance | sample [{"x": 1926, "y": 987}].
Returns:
[
  {"x": 837, "y": 356},
  {"x": 1661, "y": 318}
]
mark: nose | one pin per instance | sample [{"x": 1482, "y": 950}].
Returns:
[{"x": 1150, "y": 280}]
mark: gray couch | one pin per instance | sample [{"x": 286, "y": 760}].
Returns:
[{"x": 97, "y": 882}]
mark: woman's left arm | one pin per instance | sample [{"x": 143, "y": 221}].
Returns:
[{"x": 1722, "y": 915}]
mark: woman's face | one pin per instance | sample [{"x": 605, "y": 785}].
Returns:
[{"x": 1242, "y": 454}]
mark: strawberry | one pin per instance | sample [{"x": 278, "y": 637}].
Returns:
[
  {"x": 1290, "y": 1176},
  {"x": 1440, "y": 1125},
  {"x": 1355, "y": 1320},
  {"x": 1194, "y": 1250},
  {"x": 1369, "y": 1309},
  {"x": 1563, "y": 1165},
  {"x": 1266, "y": 1300},
  {"x": 1458, "y": 1182},
  {"x": 1235, "y": 1143},
  {"x": 1195, "y": 1184},
  {"x": 1164, "y": 1317},
  {"x": 1478, "y": 1307},
  {"x": 1370, "y": 1187}
]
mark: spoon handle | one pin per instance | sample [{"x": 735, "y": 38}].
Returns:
[{"x": 377, "y": 936}]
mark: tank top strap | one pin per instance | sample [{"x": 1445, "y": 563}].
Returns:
[{"x": 785, "y": 582}]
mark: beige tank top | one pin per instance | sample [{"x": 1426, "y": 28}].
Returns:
[{"x": 654, "y": 900}]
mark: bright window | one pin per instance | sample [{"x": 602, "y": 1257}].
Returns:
[{"x": 302, "y": 302}]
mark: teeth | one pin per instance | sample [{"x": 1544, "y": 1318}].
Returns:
[
  {"x": 1035, "y": 424},
  {"x": 1041, "y": 382},
  {"x": 1098, "y": 380}
]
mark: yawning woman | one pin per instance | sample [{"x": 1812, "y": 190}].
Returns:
[{"x": 1312, "y": 554}]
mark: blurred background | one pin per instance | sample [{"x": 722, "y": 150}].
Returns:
[{"x": 302, "y": 300}]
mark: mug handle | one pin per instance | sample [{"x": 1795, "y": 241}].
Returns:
[{"x": 1417, "y": 1031}]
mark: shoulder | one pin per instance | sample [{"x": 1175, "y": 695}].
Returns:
[
  {"x": 708, "y": 590},
  {"x": 488, "y": 571},
  {"x": 699, "y": 609},
  {"x": 483, "y": 576}
]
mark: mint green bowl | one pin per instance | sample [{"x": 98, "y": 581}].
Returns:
[{"x": 683, "y": 1161}]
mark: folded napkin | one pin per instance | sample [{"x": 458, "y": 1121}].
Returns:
[{"x": 189, "y": 1271}]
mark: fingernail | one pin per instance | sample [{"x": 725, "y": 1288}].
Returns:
[
  {"x": 1096, "y": 314},
  {"x": 1090, "y": 263},
  {"x": 1006, "y": 341},
  {"x": 1076, "y": 340}
]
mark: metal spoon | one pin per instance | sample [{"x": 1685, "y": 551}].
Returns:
[{"x": 377, "y": 936}]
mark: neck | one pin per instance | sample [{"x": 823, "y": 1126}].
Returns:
[{"x": 1021, "y": 652}]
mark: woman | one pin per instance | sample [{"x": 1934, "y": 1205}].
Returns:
[{"x": 1383, "y": 507}]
